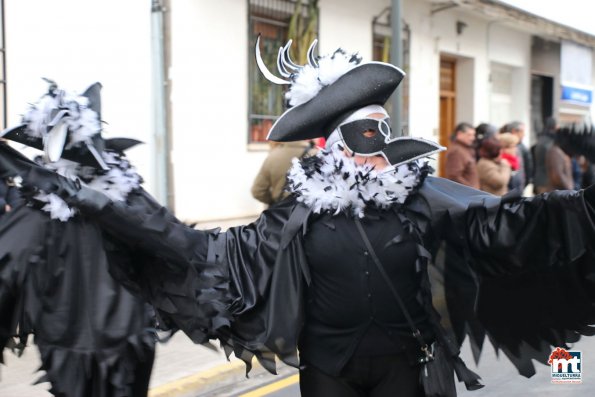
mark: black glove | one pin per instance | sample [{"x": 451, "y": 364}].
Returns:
[{"x": 72, "y": 192}]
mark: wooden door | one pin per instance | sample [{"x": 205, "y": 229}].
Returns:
[{"x": 447, "y": 105}]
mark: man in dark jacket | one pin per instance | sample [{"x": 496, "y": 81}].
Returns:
[
  {"x": 526, "y": 162},
  {"x": 461, "y": 165}
]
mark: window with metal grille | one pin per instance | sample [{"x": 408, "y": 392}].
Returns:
[
  {"x": 381, "y": 40},
  {"x": 276, "y": 21}
]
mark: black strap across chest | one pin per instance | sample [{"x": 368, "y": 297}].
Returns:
[{"x": 415, "y": 331}]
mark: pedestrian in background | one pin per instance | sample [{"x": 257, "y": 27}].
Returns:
[
  {"x": 509, "y": 144},
  {"x": 268, "y": 186},
  {"x": 461, "y": 163},
  {"x": 518, "y": 129},
  {"x": 545, "y": 139},
  {"x": 559, "y": 168},
  {"x": 494, "y": 173},
  {"x": 482, "y": 132}
]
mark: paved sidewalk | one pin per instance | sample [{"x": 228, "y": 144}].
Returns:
[
  {"x": 176, "y": 359},
  {"x": 181, "y": 367}
]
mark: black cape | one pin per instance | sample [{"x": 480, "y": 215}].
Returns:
[{"x": 94, "y": 336}]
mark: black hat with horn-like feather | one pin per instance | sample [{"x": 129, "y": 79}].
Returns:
[{"x": 326, "y": 90}]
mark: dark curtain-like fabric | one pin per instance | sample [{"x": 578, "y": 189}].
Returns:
[
  {"x": 92, "y": 334},
  {"x": 94, "y": 337}
]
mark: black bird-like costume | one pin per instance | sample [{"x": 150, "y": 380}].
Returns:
[
  {"x": 302, "y": 278},
  {"x": 95, "y": 337}
]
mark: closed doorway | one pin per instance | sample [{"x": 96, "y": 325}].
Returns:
[{"x": 447, "y": 105}]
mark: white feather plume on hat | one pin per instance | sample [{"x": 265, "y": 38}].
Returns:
[{"x": 309, "y": 80}]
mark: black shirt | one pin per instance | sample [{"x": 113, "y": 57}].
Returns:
[{"x": 349, "y": 303}]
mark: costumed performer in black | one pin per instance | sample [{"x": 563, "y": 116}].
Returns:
[
  {"x": 95, "y": 338},
  {"x": 339, "y": 269}
]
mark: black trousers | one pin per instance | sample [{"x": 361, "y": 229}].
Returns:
[{"x": 382, "y": 376}]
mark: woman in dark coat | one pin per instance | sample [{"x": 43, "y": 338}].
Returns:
[{"x": 339, "y": 269}]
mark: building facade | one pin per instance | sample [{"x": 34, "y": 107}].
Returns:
[{"x": 475, "y": 61}]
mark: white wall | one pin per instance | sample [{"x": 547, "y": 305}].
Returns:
[
  {"x": 79, "y": 42},
  {"x": 466, "y": 93},
  {"x": 213, "y": 169},
  {"x": 513, "y": 48},
  {"x": 348, "y": 24}
]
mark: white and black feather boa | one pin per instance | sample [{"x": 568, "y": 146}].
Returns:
[
  {"x": 83, "y": 122},
  {"x": 116, "y": 183},
  {"x": 333, "y": 182}
]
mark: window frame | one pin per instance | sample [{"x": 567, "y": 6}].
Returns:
[{"x": 275, "y": 13}]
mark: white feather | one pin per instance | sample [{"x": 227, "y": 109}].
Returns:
[
  {"x": 57, "y": 207},
  {"x": 116, "y": 183},
  {"x": 341, "y": 184},
  {"x": 82, "y": 121},
  {"x": 309, "y": 80}
]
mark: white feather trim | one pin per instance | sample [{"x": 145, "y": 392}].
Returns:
[
  {"x": 119, "y": 181},
  {"x": 309, "y": 80},
  {"x": 57, "y": 207},
  {"x": 338, "y": 184},
  {"x": 116, "y": 183},
  {"x": 82, "y": 121}
]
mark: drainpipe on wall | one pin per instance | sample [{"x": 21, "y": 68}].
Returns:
[
  {"x": 396, "y": 55},
  {"x": 160, "y": 106}
]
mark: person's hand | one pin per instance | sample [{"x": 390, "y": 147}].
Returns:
[
  {"x": 7, "y": 208},
  {"x": 39, "y": 178}
]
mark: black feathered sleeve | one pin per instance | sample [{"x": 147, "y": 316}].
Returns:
[
  {"x": 242, "y": 286},
  {"x": 532, "y": 261}
]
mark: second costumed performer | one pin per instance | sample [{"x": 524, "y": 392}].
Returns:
[
  {"x": 95, "y": 338},
  {"x": 339, "y": 269}
]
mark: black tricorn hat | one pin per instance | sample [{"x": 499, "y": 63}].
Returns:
[
  {"x": 55, "y": 136},
  {"x": 354, "y": 86},
  {"x": 366, "y": 84},
  {"x": 322, "y": 99}
]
